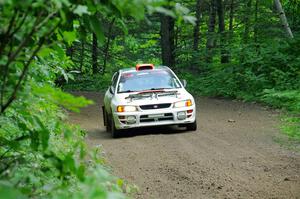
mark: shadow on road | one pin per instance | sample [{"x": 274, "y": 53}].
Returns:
[{"x": 102, "y": 134}]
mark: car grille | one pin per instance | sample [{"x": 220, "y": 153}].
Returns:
[
  {"x": 155, "y": 106},
  {"x": 153, "y": 118}
]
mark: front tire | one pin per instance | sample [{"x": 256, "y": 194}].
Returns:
[
  {"x": 106, "y": 120},
  {"x": 191, "y": 126},
  {"x": 114, "y": 132}
]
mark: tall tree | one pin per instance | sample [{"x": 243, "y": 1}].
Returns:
[
  {"x": 256, "y": 23},
  {"x": 211, "y": 31},
  {"x": 81, "y": 55},
  {"x": 246, "y": 34},
  {"x": 224, "y": 52},
  {"x": 231, "y": 16},
  {"x": 167, "y": 40},
  {"x": 230, "y": 28},
  {"x": 247, "y": 17},
  {"x": 283, "y": 19},
  {"x": 106, "y": 49},
  {"x": 94, "y": 54},
  {"x": 197, "y": 25}
]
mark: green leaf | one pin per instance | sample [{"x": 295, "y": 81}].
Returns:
[
  {"x": 190, "y": 19},
  {"x": 34, "y": 142},
  {"x": 63, "y": 15},
  {"x": 69, "y": 37},
  {"x": 81, "y": 9},
  {"x": 165, "y": 11},
  {"x": 81, "y": 172},
  {"x": 8, "y": 191},
  {"x": 97, "y": 28},
  {"x": 44, "y": 133},
  {"x": 45, "y": 52},
  {"x": 69, "y": 163},
  {"x": 181, "y": 9},
  {"x": 61, "y": 98}
]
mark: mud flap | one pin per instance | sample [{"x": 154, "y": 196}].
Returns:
[{"x": 104, "y": 116}]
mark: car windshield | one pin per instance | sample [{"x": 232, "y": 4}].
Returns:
[{"x": 147, "y": 80}]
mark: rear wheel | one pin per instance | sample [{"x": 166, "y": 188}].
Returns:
[{"x": 191, "y": 126}]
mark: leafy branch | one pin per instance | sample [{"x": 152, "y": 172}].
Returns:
[{"x": 35, "y": 27}]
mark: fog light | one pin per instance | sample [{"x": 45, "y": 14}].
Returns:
[
  {"x": 131, "y": 119},
  {"x": 181, "y": 115},
  {"x": 121, "y": 117}
]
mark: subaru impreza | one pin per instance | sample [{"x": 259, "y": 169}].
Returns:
[{"x": 147, "y": 95}]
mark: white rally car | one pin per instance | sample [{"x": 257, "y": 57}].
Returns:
[{"x": 147, "y": 96}]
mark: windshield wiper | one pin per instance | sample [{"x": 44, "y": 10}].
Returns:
[
  {"x": 127, "y": 91},
  {"x": 158, "y": 88}
]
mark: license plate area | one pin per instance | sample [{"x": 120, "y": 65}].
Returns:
[{"x": 156, "y": 115}]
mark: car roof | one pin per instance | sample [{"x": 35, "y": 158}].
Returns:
[{"x": 134, "y": 69}]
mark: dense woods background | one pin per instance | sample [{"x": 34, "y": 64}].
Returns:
[{"x": 245, "y": 49}]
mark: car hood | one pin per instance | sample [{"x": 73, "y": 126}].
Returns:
[{"x": 152, "y": 97}]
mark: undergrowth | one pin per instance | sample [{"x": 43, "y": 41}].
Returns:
[{"x": 47, "y": 157}]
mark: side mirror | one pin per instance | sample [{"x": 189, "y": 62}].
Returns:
[
  {"x": 113, "y": 77},
  {"x": 184, "y": 83},
  {"x": 111, "y": 90}
]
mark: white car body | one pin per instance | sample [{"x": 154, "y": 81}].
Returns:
[{"x": 150, "y": 107}]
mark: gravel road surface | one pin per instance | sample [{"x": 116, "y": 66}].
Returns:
[{"x": 232, "y": 155}]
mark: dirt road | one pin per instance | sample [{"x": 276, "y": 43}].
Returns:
[{"x": 232, "y": 155}]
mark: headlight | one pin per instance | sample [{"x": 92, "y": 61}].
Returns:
[
  {"x": 126, "y": 108},
  {"x": 184, "y": 103}
]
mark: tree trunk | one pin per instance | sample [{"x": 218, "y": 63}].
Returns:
[
  {"x": 247, "y": 17},
  {"x": 167, "y": 41},
  {"x": 224, "y": 52},
  {"x": 70, "y": 51},
  {"x": 197, "y": 26},
  {"x": 94, "y": 54},
  {"x": 283, "y": 19},
  {"x": 256, "y": 21},
  {"x": 256, "y": 27},
  {"x": 106, "y": 50},
  {"x": 176, "y": 36},
  {"x": 211, "y": 31},
  {"x": 231, "y": 16},
  {"x": 230, "y": 29},
  {"x": 81, "y": 55},
  {"x": 246, "y": 34}
]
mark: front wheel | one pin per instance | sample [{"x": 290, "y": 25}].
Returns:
[
  {"x": 114, "y": 132},
  {"x": 191, "y": 126},
  {"x": 106, "y": 120}
]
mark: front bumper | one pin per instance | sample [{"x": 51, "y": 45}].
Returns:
[{"x": 155, "y": 117}]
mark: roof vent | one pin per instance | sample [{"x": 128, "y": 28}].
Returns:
[{"x": 139, "y": 67}]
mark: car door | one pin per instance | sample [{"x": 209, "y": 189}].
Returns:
[{"x": 111, "y": 92}]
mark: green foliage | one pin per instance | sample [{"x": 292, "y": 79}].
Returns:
[
  {"x": 291, "y": 127},
  {"x": 45, "y": 155},
  {"x": 269, "y": 74},
  {"x": 58, "y": 97},
  {"x": 41, "y": 155},
  {"x": 86, "y": 82},
  {"x": 289, "y": 99}
]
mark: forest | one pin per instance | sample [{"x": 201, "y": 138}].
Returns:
[{"x": 247, "y": 50}]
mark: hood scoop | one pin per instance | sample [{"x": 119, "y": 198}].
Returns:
[{"x": 153, "y": 94}]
